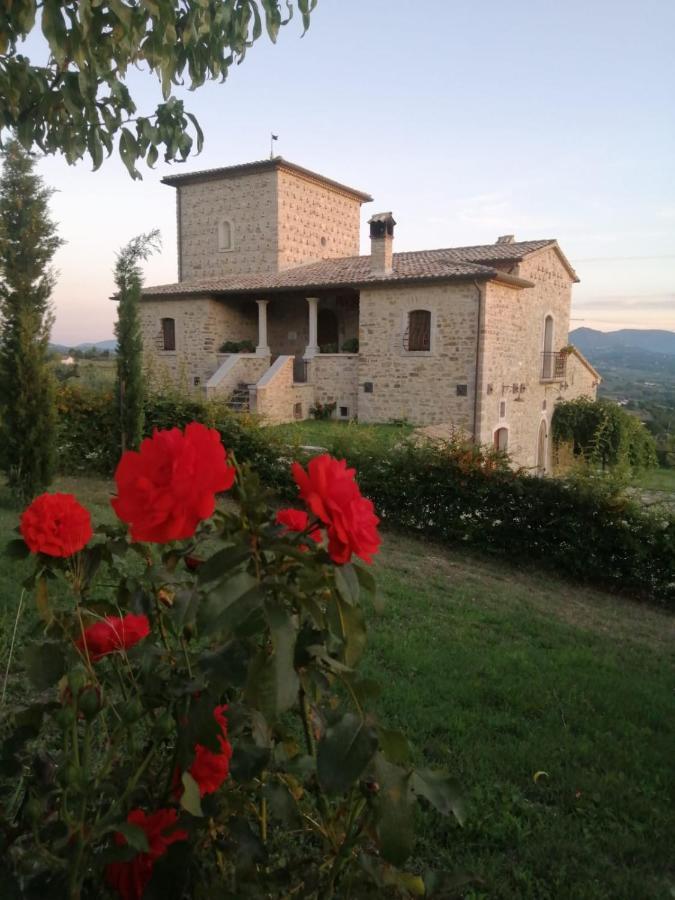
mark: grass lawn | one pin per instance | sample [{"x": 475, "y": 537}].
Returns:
[
  {"x": 656, "y": 480},
  {"x": 498, "y": 675},
  {"x": 334, "y": 435}
]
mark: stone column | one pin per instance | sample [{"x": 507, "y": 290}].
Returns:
[
  {"x": 312, "y": 347},
  {"x": 262, "y": 349}
]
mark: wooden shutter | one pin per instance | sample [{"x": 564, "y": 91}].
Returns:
[
  {"x": 419, "y": 330},
  {"x": 169, "y": 333}
]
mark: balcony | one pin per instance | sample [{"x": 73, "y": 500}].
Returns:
[{"x": 553, "y": 366}]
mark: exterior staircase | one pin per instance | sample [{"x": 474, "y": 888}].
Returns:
[{"x": 239, "y": 398}]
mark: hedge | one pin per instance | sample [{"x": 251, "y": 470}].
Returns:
[{"x": 453, "y": 494}]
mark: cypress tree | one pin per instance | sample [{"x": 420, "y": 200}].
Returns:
[
  {"x": 130, "y": 392},
  {"x": 28, "y": 242}
]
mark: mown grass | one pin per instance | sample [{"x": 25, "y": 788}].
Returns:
[
  {"x": 335, "y": 436},
  {"x": 656, "y": 480},
  {"x": 497, "y": 675}
]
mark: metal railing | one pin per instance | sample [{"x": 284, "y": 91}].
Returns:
[
  {"x": 300, "y": 370},
  {"x": 553, "y": 366}
]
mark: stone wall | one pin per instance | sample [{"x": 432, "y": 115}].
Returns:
[
  {"x": 513, "y": 395},
  {"x": 249, "y": 203},
  {"x": 202, "y": 324},
  {"x": 420, "y": 387},
  {"x": 236, "y": 369},
  {"x": 277, "y": 396},
  {"x": 335, "y": 379},
  {"x": 316, "y": 221},
  {"x": 278, "y": 219}
]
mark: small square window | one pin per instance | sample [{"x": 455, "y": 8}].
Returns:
[
  {"x": 197, "y": 380},
  {"x": 502, "y": 408},
  {"x": 344, "y": 412},
  {"x": 297, "y": 411},
  {"x": 368, "y": 387},
  {"x": 462, "y": 390}
]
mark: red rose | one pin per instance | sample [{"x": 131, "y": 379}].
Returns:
[
  {"x": 329, "y": 490},
  {"x": 297, "y": 520},
  {"x": 56, "y": 524},
  {"x": 169, "y": 486},
  {"x": 113, "y": 635},
  {"x": 131, "y": 878},
  {"x": 193, "y": 563},
  {"x": 209, "y": 769}
]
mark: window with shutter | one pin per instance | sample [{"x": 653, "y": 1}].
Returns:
[
  {"x": 169, "y": 334},
  {"x": 419, "y": 329}
]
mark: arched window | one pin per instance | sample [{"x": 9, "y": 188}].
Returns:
[
  {"x": 548, "y": 362},
  {"x": 502, "y": 439},
  {"x": 168, "y": 334},
  {"x": 419, "y": 329},
  {"x": 225, "y": 235}
]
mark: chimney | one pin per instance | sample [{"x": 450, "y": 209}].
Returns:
[
  {"x": 381, "y": 243},
  {"x": 506, "y": 239}
]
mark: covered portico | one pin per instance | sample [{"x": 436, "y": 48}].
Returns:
[{"x": 304, "y": 326}]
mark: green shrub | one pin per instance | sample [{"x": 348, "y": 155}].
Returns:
[
  {"x": 351, "y": 346},
  {"x": 329, "y": 348},
  {"x": 456, "y": 493},
  {"x": 603, "y": 434},
  {"x": 245, "y": 346},
  {"x": 322, "y": 410}
]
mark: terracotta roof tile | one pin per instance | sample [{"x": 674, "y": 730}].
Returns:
[{"x": 452, "y": 264}]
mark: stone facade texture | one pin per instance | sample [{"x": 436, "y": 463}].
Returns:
[
  {"x": 236, "y": 369},
  {"x": 420, "y": 387},
  {"x": 315, "y": 221},
  {"x": 249, "y": 204},
  {"x": 512, "y": 393},
  {"x": 201, "y": 326},
  {"x": 278, "y": 397},
  {"x": 277, "y": 220},
  {"x": 335, "y": 379}
]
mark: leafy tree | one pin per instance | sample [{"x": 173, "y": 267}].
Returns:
[
  {"x": 603, "y": 433},
  {"x": 128, "y": 279},
  {"x": 79, "y": 103},
  {"x": 28, "y": 241}
]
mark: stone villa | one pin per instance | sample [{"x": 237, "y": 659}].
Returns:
[{"x": 268, "y": 255}]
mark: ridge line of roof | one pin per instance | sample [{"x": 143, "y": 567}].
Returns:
[{"x": 275, "y": 163}]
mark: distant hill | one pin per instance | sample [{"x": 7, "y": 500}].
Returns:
[
  {"x": 87, "y": 345},
  {"x": 588, "y": 340}
]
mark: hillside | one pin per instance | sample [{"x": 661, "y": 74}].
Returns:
[
  {"x": 590, "y": 341},
  {"x": 550, "y": 703},
  {"x": 87, "y": 345}
]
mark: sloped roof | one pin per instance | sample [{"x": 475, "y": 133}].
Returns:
[
  {"x": 451, "y": 264},
  {"x": 584, "y": 362},
  {"x": 263, "y": 165}
]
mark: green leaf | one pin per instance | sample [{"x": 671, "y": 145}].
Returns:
[
  {"x": 17, "y": 549},
  {"x": 394, "y": 811},
  {"x": 348, "y": 623},
  {"x": 248, "y": 761},
  {"x": 134, "y": 835},
  {"x": 45, "y": 663},
  {"x": 222, "y": 563},
  {"x": 394, "y": 745},
  {"x": 190, "y": 799},
  {"x": 442, "y": 791},
  {"x": 272, "y": 683},
  {"x": 343, "y": 753},
  {"x": 228, "y": 605}
]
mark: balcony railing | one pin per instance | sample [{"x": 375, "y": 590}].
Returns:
[{"x": 553, "y": 366}]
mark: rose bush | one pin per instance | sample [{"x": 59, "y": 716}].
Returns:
[{"x": 196, "y": 725}]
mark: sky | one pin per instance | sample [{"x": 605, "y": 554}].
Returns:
[{"x": 469, "y": 120}]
